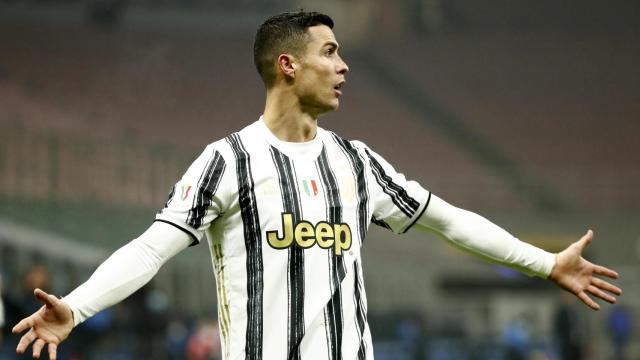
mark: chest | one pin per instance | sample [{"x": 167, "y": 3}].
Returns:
[{"x": 320, "y": 189}]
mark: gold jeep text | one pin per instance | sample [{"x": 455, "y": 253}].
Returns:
[{"x": 306, "y": 235}]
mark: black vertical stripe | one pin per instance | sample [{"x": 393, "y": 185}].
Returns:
[
  {"x": 295, "y": 279},
  {"x": 333, "y": 313},
  {"x": 253, "y": 245},
  {"x": 332, "y": 196},
  {"x": 362, "y": 195},
  {"x": 398, "y": 194},
  {"x": 337, "y": 271},
  {"x": 206, "y": 189},
  {"x": 361, "y": 313}
]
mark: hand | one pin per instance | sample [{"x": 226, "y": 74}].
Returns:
[
  {"x": 576, "y": 275},
  {"x": 51, "y": 325}
]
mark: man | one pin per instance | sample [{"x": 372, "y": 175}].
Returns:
[{"x": 285, "y": 206}]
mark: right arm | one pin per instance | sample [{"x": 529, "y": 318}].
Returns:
[
  {"x": 200, "y": 196},
  {"x": 124, "y": 272}
]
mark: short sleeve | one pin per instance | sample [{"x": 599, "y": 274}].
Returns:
[
  {"x": 397, "y": 202},
  {"x": 195, "y": 201}
]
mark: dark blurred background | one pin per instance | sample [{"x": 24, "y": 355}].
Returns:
[{"x": 527, "y": 112}]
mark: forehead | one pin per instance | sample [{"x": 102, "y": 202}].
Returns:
[{"x": 320, "y": 35}]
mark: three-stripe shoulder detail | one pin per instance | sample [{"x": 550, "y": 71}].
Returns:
[
  {"x": 407, "y": 204},
  {"x": 208, "y": 184}
]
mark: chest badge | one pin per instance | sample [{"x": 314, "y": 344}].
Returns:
[
  {"x": 310, "y": 187},
  {"x": 185, "y": 192}
]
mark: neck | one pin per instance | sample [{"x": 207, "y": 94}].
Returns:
[{"x": 286, "y": 119}]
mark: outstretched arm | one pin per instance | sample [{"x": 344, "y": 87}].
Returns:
[
  {"x": 127, "y": 270},
  {"x": 477, "y": 235}
]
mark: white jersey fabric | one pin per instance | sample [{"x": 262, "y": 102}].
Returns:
[{"x": 285, "y": 223}]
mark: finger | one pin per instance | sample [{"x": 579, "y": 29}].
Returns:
[
  {"x": 585, "y": 240},
  {"x": 23, "y": 325},
  {"x": 49, "y": 300},
  {"x": 587, "y": 300},
  {"x": 53, "y": 351},
  {"x": 601, "y": 270},
  {"x": 601, "y": 294},
  {"x": 606, "y": 286},
  {"x": 25, "y": 341},
  {"x": 37, "y": 348}
]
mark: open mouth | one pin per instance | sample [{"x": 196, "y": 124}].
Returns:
[{"x": 338, "y": 87}]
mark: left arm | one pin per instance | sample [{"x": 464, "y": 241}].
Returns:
[
  {"x": 475, "y": 234},
  {"x": 398, "y": 203}
]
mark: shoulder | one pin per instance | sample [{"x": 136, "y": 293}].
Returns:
[
  {"x": 234, "y": 142},
  {"x": 354, "y": 145}
]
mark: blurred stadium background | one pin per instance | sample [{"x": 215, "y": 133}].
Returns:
[{"x": 527, "y": 112}]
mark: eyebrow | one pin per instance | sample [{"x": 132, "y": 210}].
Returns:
[{"x": 331, "y": 44}]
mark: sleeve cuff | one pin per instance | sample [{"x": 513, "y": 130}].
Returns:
[
  {"x": 548, "y": 261},
  {"x": 541, "y": 263},
  {"x": 193, "y": 234},
  {"x": 75, "y": 313}
]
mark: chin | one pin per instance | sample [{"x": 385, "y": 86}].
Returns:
[{"x": 327, "y": 108}]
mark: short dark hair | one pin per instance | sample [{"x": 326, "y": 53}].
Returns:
[{"x": 283, "y": 33}]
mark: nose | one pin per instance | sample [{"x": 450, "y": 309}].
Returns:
[{"x": 343, "y": 68}]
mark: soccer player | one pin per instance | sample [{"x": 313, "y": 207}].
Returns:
[{"x": 285, "y": 207}]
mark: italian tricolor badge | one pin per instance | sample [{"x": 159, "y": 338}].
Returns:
[{"x": 310, "y": 187}]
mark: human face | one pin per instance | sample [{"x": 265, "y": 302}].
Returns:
[{"x": 320, "y": 73}]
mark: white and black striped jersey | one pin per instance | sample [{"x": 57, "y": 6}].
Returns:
[{"x": 285, "y": 223}]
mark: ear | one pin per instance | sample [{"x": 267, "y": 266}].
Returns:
[{"x": 287, "y": 64}]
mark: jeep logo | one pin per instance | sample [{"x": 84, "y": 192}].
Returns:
[{"x": 305, "y": 234}]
